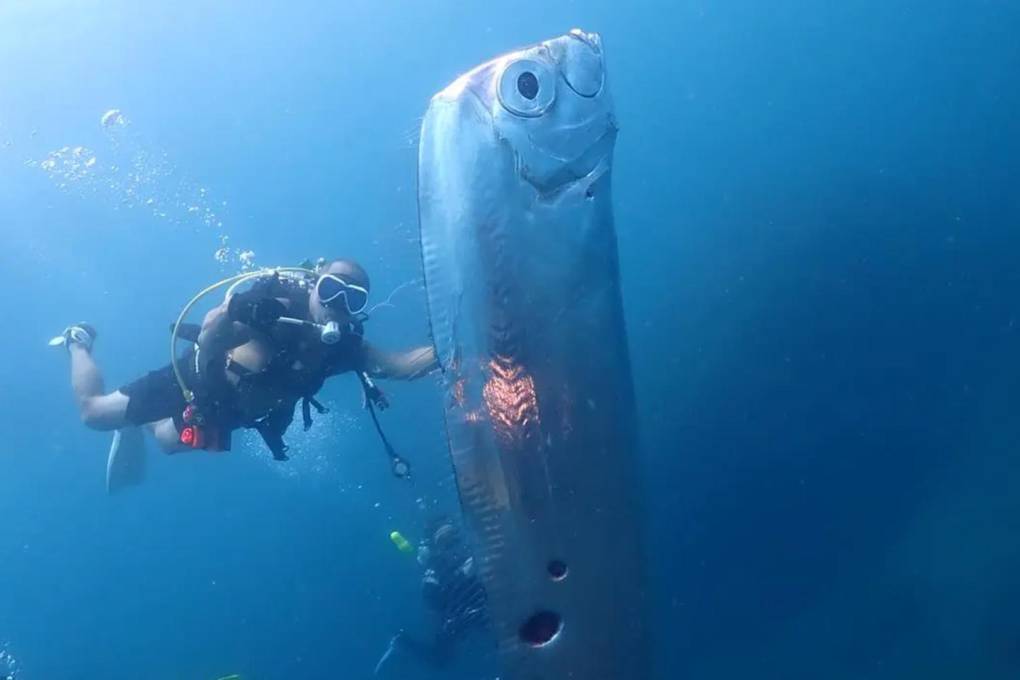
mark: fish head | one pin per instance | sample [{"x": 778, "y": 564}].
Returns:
[{"x": 549, "y": 105}]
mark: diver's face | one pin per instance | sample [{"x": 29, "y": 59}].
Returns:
[{"x": 331, "y": 301}]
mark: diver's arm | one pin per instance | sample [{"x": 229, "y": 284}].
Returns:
[
  {"x": 231, "y": 324},
  {"x": 409, "y": 365},
  {"x": 234, "y": 322},
  {"x": 218, "y": 336}
]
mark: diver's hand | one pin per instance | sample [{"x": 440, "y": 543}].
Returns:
[
  {"x": 377, "y": 397},
  {"x": 255, "y": 310}
]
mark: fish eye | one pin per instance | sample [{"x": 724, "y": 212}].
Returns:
[
  {"x": 527, "y": 85},
  {"x": 527, "y": 88}
]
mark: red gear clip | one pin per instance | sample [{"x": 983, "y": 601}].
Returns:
[
  {"x": 192, "y": 436},
  {"x": 196, "y": 436}
]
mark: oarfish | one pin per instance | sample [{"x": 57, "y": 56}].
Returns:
[{"x": 522, "y": 279}]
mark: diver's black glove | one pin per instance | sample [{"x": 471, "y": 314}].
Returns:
[
  {"x": 376, "y": 396},
  {"x": 255, "y": 309}
]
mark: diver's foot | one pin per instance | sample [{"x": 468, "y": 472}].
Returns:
[{"x": 81, "y": 334}]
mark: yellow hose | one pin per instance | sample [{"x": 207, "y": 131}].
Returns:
[{"x": 189, "y": 396}]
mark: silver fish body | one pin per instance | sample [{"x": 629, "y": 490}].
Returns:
[{"x": 522, "y": 279}]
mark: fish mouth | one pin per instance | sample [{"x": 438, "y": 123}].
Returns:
[{"x": 558, "y": 174}]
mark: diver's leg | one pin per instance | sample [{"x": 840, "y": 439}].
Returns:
[
  {"x": 165, "y": 432},
  {"x": 98, "y": 411}
]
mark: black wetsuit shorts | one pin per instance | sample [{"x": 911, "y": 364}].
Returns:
[{"x": 155, "y": 396}]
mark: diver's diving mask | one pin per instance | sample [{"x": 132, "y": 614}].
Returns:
[{"x": 332, "y": 288}]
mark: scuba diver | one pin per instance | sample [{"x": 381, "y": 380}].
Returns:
[
  {"x": 254, "y": 357},
  {"x": 451, "y": 589}
]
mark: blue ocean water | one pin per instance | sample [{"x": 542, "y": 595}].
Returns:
[{"x": 817, "y": 213}]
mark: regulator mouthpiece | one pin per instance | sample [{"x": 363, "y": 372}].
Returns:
[{"x": 330, "y": 333}]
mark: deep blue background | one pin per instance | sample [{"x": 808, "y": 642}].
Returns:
[{"x": 817, "y": 211}]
